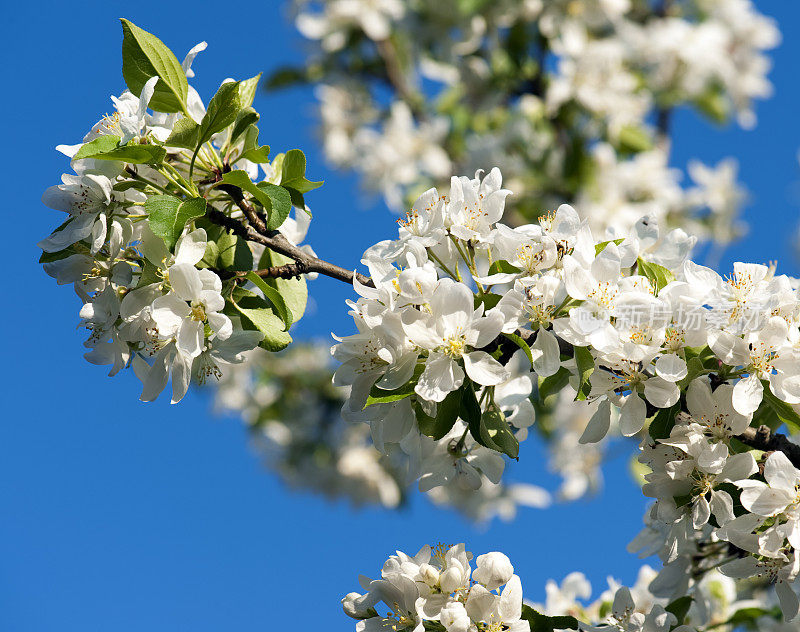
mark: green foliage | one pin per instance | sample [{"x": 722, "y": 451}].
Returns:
[
  {"x": 293, "y": 176},
  {"x": 496, "y": 433},
  {"x": 602, "y": 245},
  {"x": 274, "y": 297},
  {"x": 108, "y": 148},
  {"x": 447, "y": 412},
  {"x": 293, "y": 291},
  {"x": 543, "y": 623},
  {"x": 503, "y": 266},
  {"x": 222, "y": 111},
  {"x": 377, "y": 395},
  {"x": 169, "y": 215},
  {"x": 145, "y": 56},
  {"x": 280, "y": 201},
  {"x": 658, "y": 275},
  {"x": 522, "y": 345},
  {"x": 663, "y": 421},
  {"x": 251, "y": 150},
  {"x": 553, "y": 384},
  {"x": 185, "y": 133},
  {"x": 633, "y": 139},
  {"x": 782, "y": 410},
  {"x": 257, "y": 314},
  {"x": 585, "y": 364},
  {"x": 263, "y": 194},
  {"x": 246, "y": 118},
  {"x": 233, "y": 253},
  {"x": 680, "y": 608},
  {"x": 247, "y": 90}
]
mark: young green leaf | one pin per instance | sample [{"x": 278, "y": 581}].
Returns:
[
  {"x": 497, "y": 434},
  {"x": 782, "y": 410},
  {"x": 280, "y": 201},
  {"x": 522, "y": 345},
  {"x": 222, "y": 111},
  {"x": 293, "y": 291},
  {"x": 273, "y": 296},
  {"x": 585, "y": 364},
  {"x": 240, "y": 179},
  {"x": 145, "y": 56},
  {"x": 132, "y": 153},
  {"x": 251, "y": 150},
  {"x": 185, "y": 133},
  {"x": 99, "y": 145},
  {"x": 247, "y": 116},
  {"x": 257, "y": 314},
  {"x": 247, "y": 90},
  {"x": 446, "y": 415},
  {"x": 293, "y": 172},
  {"x": 169, "y": 215},
  {"x": 659, "y": 276}
]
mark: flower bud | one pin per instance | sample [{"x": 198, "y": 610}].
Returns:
[
  {"x": 493, "y": 570},
  {"x": 451, "y": 580},
  {"x": 352, "y": 608},
  {"x": 429, "y": 574}
]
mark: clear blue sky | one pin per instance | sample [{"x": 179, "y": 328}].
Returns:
[{"x": 117, "y": 515}]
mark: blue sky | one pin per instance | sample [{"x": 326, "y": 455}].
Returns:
[{"x": 117, "y": 515}]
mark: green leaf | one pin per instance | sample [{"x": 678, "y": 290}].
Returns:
[
  {"x": 663, "y": 421},
  {"x": 744, "y": 616},
  {"x": 293, "y": 172},
  {"x": 784, "y": 411},
  {"x": 470, "y": 409},
  {"x": 274, "y": 297},
  {"x": 446, "y": 416},
  {"x": 632, "y": 139},
  {"x": 543, "y": 623},
  {"x": 680, "y": 608},
  {"x": 169, "y": 215},
  {"x": 522, "y": 345},
  {"x": 377, "y": 395},
  {"x": 293, "y": 291},
  {"x": 247, "y": 90},
  {"x": 251, "y": 150},
  {"x": 240, "y": 179},
  {"x": 185, "y": 133},
  {"x": 246, "y": 118},
  {"x": 602, "y": 245},
  {"x": 99, "y": 145},
  {"x": 131, "y": 153},
  {"x": 280, "y": 201},
  {"x": 496, "y": 431},
  {"x": 145, "y": 56},
  {"x": 487, "y": 299},
  {"x": 553, "y": 384},
  {"x": 658, "y": 275},
  {"x": 257, "y": 314},
  {"x": 233, "y": 253},
  {"x": 222, "y": 111},
  {"x": 504, "y": 267},
  {"x": 585, "y": 364}
]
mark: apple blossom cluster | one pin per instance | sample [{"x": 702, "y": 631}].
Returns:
[
  {"x": 571, "y": 99},
  {"x": 716, "y": 504},
  {"x": 153, "y": 238},
  {"x": 438, "y": 589},
  {"x": 293, "y": 411}
]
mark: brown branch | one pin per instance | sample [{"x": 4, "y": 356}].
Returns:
[
  {"x": 286, "y": 271},
  {"x": 259, "y": 233},
  {"x": 762, "y": 438}
]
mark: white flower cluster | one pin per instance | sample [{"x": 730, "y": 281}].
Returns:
[
  {"x": 442, "y": 369},
  {"x": 294, "y": 414},
  {"x": 439, "y": 585},
  {"x": 562, "y": 95},
  {"x": 713, "y": 499},
  {"x": 160, "y": 311}
]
